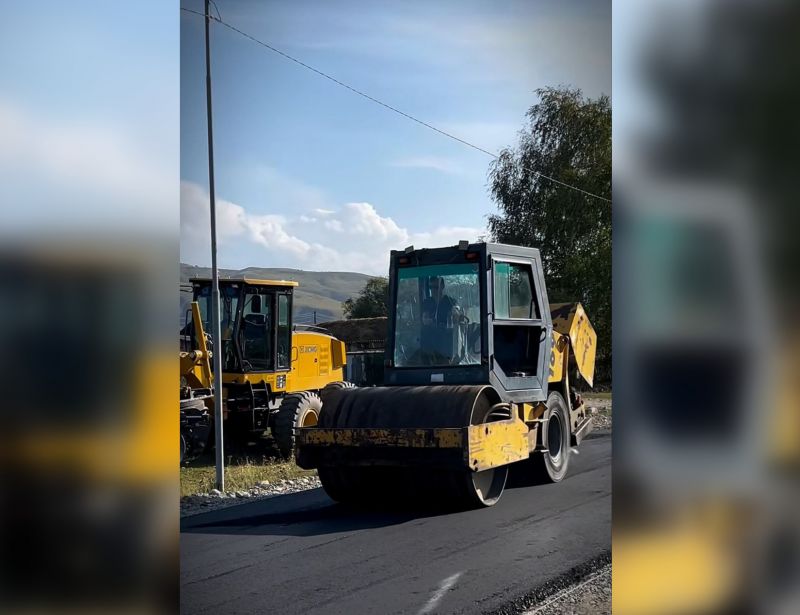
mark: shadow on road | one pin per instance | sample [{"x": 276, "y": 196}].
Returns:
[
  {"x": 313, "y": 513},
  {"x": 309, "y": 513},
  {"x": 521, "y": 475}
]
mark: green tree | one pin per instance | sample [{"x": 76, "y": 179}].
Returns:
[
  {"x": 371, "y": 301},
  {"x": 567, "y": 137}
]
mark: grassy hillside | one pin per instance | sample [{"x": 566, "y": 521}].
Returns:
[{"x": 323, "y": 291}]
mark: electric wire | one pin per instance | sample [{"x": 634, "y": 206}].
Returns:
[{"x": 385, "y": 105}]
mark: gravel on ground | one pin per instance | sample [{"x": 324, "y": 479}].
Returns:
[
  {"x": 599, "y": 408},
  {"x": 600, "y": 411},
  {"x": 592, "y": 596},
  {"x": 214, "y": 499}
]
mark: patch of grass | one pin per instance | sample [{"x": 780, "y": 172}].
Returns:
[{"x": 240, "y": 475}]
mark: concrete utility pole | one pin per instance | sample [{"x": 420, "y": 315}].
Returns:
[{"x": 216, "y": 329}]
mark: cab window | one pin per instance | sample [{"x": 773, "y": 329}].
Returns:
[
  {"x": 255, "y": 336},
  {"x": 284, "y": 332},
  {"x": 513, "y": 292}
]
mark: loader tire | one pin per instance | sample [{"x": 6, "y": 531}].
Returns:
[
  {"x": 551, "y": 466},
  {"x": 335, "y": 386},
  {"x": 296, "y": 410},
  {"x": 191, "y": 427}
]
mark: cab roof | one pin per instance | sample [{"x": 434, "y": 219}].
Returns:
[{"x": 251, "y": 281}]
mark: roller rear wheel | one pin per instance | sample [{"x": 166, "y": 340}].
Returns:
[{"x": 551, "y": 465}]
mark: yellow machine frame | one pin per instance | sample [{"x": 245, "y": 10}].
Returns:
[
  {"x": 498, "y": 443},
  {"x": 316, "y": 360}
]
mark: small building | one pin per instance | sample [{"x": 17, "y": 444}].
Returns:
[{"x": 365, "y": 340}]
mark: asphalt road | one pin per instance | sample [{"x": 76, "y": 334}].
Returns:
[{"x": 302, "y": 553}]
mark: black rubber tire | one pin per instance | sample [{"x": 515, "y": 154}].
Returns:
[
  {"x": 189, "y": 447},
  {"x": 294, "y": 412},
  {"x": 552, "y": 466},
  {"x": 339, "y": 385}
]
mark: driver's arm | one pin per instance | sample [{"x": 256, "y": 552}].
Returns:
[{"x": 455, "y": 309}]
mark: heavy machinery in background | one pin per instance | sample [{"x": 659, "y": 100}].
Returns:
[
  {"x": 477, "y": 377},
  {"x": 87, "y": 453},
  {"x": 273, "y": 372},
  {"x": 705, "y": 484}
]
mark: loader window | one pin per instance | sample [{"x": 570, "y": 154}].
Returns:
[
  {"x": 255, "y": 331},
  {"x": 284, "y": 332},
  {"x": 437, "y": 318},
  {"x": 228, "y": 304}
]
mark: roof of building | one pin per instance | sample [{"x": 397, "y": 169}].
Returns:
[
  {"x": 252, "y": 281},
  {"x": 359, "y": 332}
]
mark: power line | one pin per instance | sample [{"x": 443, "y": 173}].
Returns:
[{"x": 387, "y": 106}]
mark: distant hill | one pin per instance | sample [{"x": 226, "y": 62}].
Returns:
[{"x": 320, "y": 291}]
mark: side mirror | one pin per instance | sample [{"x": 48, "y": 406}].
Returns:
[{"x": 255, "y": 306}]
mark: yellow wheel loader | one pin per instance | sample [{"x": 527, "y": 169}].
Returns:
[
  {"x": 476, "y": 378},
  {"x": 273, "y": 372}
]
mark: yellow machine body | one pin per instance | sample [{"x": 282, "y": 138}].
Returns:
[
  {"x": 88, "y": 453},
  {"x": 317, "y": 359},
  {"x": 306, "y": 361},
  {"x": 479, "y": 447},
  {"x": 467, "y": 393}
]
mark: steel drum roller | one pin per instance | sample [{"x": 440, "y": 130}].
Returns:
[{"x": 419, "y": 407}]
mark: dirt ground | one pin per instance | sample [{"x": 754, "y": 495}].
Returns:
[
  {"x": 589, "y": 597},
  {"x": 599, "y": 405}
]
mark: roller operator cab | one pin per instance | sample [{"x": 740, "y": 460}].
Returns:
[
  {"x": 476, "y": 378},
  {"x": 273, "y": 372}
]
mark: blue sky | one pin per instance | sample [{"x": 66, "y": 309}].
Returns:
[
  {"x": 312, "y": 176},
  {"x": 89, "y": 116}
]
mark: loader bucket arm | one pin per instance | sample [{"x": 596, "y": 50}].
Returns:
[
  {"x": 200, "y": 336},
  {"x": 570, "y": 319}
]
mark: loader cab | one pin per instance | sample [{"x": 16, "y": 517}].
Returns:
[
  {"x": 469, "y": 314},
  {"x": 256, "y": 322}
]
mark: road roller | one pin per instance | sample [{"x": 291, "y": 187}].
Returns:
[{"x": 477, "y": 377}]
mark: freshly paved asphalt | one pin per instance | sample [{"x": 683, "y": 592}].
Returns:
[{"x": 302, "y": 553}]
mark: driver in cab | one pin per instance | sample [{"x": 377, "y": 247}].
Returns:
[{"x": 439, "y": 309}]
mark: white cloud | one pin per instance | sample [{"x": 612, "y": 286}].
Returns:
[
  {"x": 536, "y": 45},
  {"x": 334, "y": 225},
  {"x": 78, "y": 174},
  {"x": 234, "y": 223},
  {"x": 355, "y": 237},
  {"x": 434, "y": 163}
]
